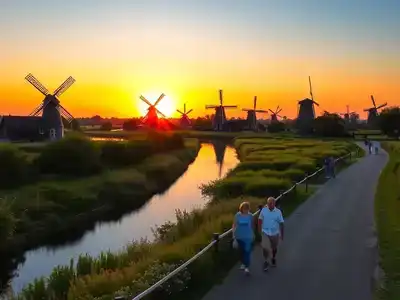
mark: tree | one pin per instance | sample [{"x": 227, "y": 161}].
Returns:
[
  {"x": 132, "y": 124},
  {"x": 330, "y": 125},
  {"x": 389, "y": 121},
  {"x": 276, "y": 126},
  {"x": 107, "y": 126}
]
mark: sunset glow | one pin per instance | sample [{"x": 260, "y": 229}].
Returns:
[{"x": 189, "y": 49}]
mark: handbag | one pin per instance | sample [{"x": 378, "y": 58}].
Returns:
[{"x": 235, "y": 244}]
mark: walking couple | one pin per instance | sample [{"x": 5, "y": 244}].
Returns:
[{"x": 270, "y": 226}]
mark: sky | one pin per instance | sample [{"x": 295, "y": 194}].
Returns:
[{"x": 188, "y": 49}]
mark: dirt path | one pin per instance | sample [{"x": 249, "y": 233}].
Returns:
[{"x": 329, "y": 251}]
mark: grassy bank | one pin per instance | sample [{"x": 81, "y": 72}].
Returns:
[
  {"x": 141, "y": 264},
  {"x": 387, "y": 210}
]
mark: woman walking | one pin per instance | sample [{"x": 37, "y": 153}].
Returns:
[{"x": 243, "y": 233}]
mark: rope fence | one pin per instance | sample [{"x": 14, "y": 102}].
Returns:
[{"x": 217, "y": 236}]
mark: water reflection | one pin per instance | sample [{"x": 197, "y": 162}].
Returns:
[{"x": 184, "y": 194}]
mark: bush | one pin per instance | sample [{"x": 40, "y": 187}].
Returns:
[
  {"x": 13, "y": 166},
  {"x": 265, "y": 187},
  {"x": 119, "y": 154},
  {"x": 73, "y": 155}
]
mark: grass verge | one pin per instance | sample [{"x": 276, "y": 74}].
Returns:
[{"x": 387, "y": 210}]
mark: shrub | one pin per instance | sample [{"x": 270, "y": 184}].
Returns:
[
  {"x": 265, "y": 187},
  {"x": 119, "y": 154},
  {"x": 13, "y": 166},
  {"x": 7, "y": 221},
  {"x": 73, "y": 155}
]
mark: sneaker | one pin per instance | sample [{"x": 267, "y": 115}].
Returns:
[
  {"x": 273, "y": 262},
  {"x": 242, "y": 267},
  {"x": 247, "y": 271},
  {"x": 265, "y": 266}
]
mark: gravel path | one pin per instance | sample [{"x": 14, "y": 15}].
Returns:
[{"x": 329, "y": 251}]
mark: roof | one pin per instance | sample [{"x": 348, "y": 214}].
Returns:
[
  {"x": 306, "y": 100},
  {"x": 20, "y": 122}
]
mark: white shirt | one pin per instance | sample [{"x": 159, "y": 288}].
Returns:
[{"x": 271, "y": 220}]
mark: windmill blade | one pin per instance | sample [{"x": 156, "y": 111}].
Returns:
[
  {"x": 145, "y": 100},
  {"x": 221, "y": 96},
  {"x": 64, "y": 86},
  {"x": 309, "y": 82},
  {"x": 367, "y": 109},
  {"x": 382, "y": 105},
  {"x": 211, "y": 106},
  {"x": 65, "y": 113},
  {"x": 261, "y": 111},
  {"x": 190, "y": 110},
  {"x": 160, "y": 113},
  {"x": 36, "y": 111},
  {"x": 373, "y": 101},
  {"x": 180, "y": 112},
  {"x": 315, "y": 103},
  {"x": 279, "y": 116},
  {"x": 184, "y": 108},
  {"x": 255, "y": 102},
  {"x": 247, "y": 109},
  {"x": 36, "y": 83},
  {"x": 271, "y": 111},
  {"x": 230, "y": 106},
  {"x": 279, "y": 111},
  {"x": 159, "y": 99}
]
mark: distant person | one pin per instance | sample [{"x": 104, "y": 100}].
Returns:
[
  {"x": 243, "y": 233},
  {"x": 376, "y": 147},
  {"x": 270, "y": 225},
  {"x": 370, "y": 147}
]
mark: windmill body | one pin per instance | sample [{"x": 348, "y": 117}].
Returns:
[
  {"x": 252, "y": 115},
  {"x": 373, "y": 112},
  {"x": 306, "y": 112},
  {"x": 184, "y": 121},
  {"x": 51, "y": 110},
  {"x": 275, "y": 114},
  {"x": 151, "y": 118},
  {"x": 220, "y": 117}
]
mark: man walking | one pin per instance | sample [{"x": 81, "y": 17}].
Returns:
[{"x": 270, "y": 225}]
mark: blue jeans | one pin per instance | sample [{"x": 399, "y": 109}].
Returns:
[{"x": 245, "y": 251}]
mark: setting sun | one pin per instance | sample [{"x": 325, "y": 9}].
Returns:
[{"x": 166, "y": 106}]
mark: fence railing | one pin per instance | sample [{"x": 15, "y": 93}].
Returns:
[{"x": 217, "y": 236}]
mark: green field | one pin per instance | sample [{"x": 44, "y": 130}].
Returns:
[
  {"x": 271, "y": 163},
  {"x": 387, "y": 211}
]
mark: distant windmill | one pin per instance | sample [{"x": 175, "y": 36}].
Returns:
[
  {"x": 51, "y": 109},
  {"x": 373, "y": 112},
  {"x": 275, "y": 114},
  {"x": 220, "y": 117},
  {"x": 151, "y": 118},
  {"x": 306, "y": 113},
  {"x": 251, "y": 115},
  {"x": 184, "y": 120},
  {"x": 347, "y": 115}
]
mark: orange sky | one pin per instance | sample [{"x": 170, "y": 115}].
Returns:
[{"x": 189, "y": 54}]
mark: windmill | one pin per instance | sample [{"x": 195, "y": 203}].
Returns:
[
  {"x": 373, "y": 112},
  {"x": 347, "y": 115},
  {"x": 275, "y": 114},
  {"x": 151, "y": 118},
  {"x": 251, "y": 115},
  {"x": 306, "y": 113},
  {"x": 184, "y": 120},
  {"x": 220, "y": 117},
  {"x": 51, "y": 109}
]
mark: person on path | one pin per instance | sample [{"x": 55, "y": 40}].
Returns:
[
  {"x": 270, "y": 223},
  {"x": 243, "y": 233},
  {"x": 370, "y": 147},
  {"x": 376, "y": 146}
]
